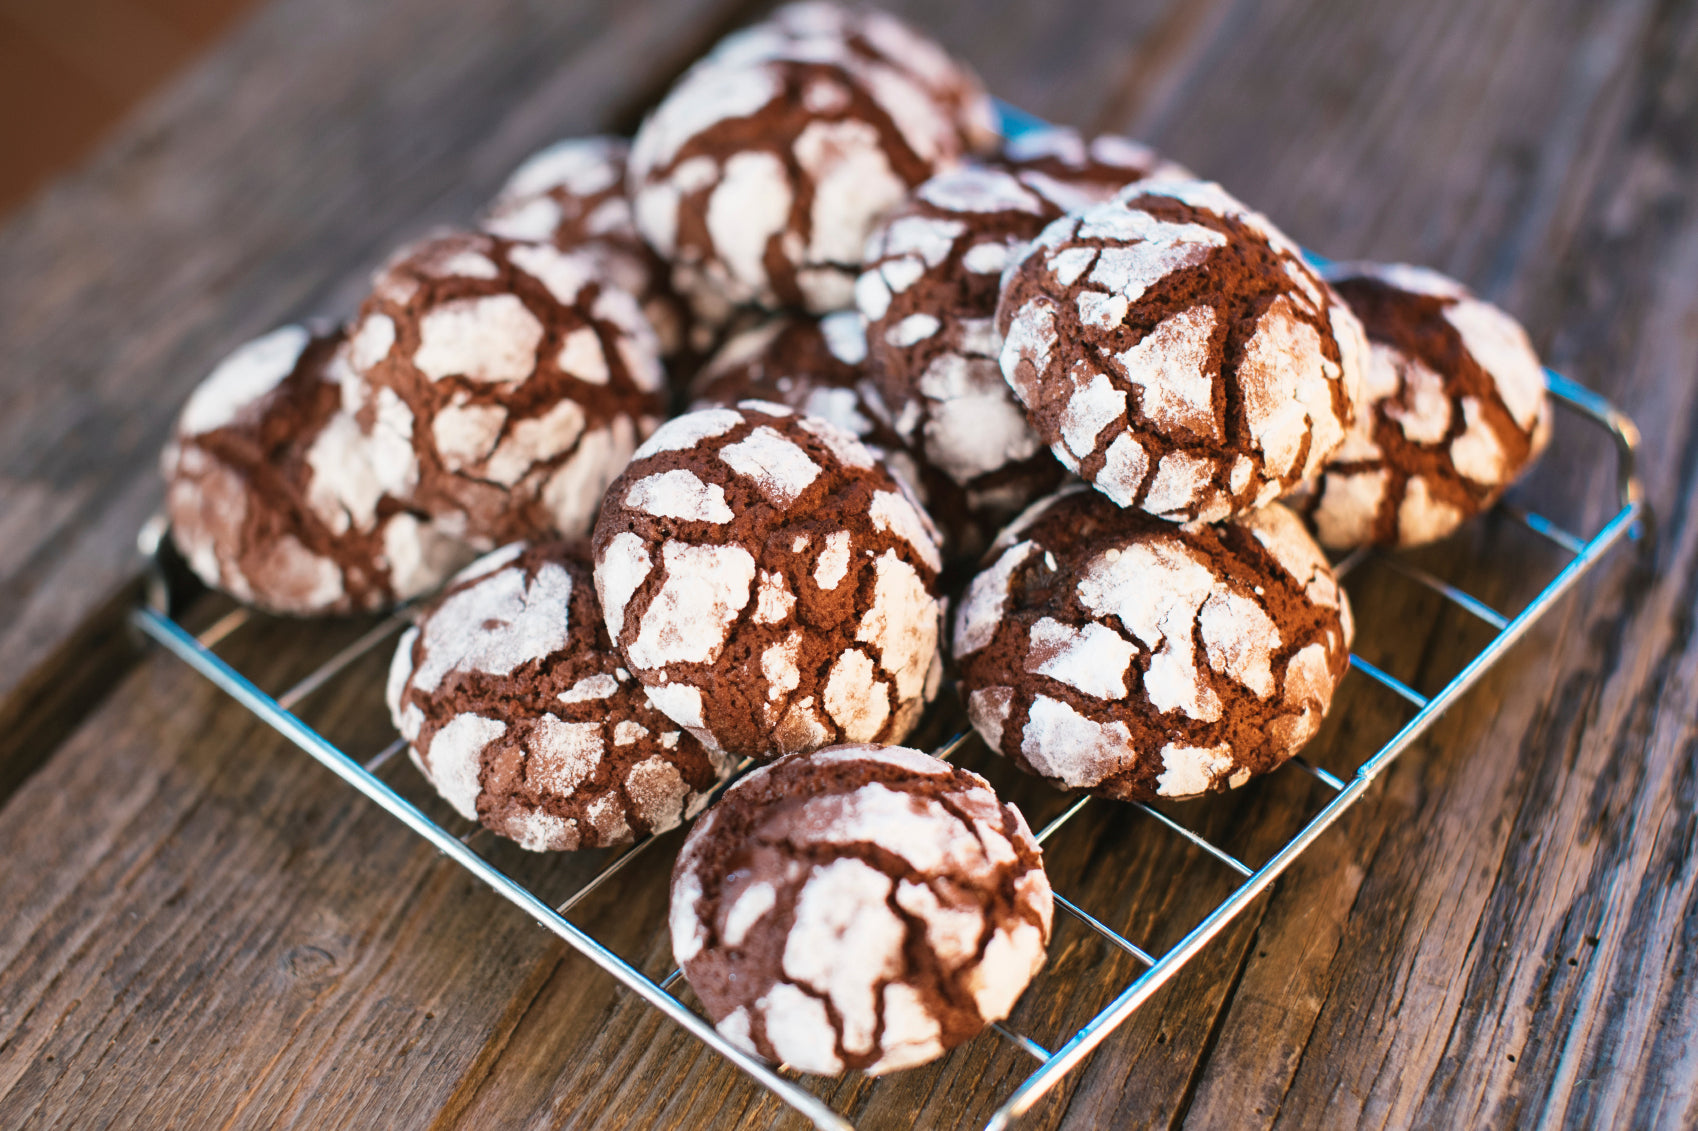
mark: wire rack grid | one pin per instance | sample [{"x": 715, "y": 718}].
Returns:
[{"x": 156, "y": 620}]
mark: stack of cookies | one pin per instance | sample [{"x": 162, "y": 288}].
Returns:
[{"x": 1100, "y": 407}]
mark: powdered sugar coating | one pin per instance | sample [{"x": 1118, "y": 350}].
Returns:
[
  {"x": 1149, "y": 315},
  {"x": 862, "y": 907},
  {"x": 782, "y": 595},
  {"x": 516, "y": 708},
  {"x": 572, "y": 195},
  {"x": 276, "y": 497},
  {"x": 1455, "y": 410},
  {"x": 1109, "y": 651},
  {"x": 816, "y": 366},
  {"x": 760, "y": 173},
  {"x": 524, "y": 376},
  {"x": 929, "y": 290}
]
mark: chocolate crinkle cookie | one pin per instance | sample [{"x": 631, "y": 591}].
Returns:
[
  {"x": 572, "y": 195},
  {"x": 516, "y": 708},
  {"x": 1106, "y": 650},
  {"x": 770, "y": 582},
  {"x": 276, "y": 498},
  {"x": 928, "y": 292},
  {"x": 1455, "y": 410},
  {"x": 518, "y": 376},
  {"x": 760, "y": 174},
  {"x": 861, "y": 907},
  {"x": 816, "y": 366},
  {"x": 1177, "y": 352}
]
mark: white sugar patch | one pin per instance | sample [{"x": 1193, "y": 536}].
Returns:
[
  {"x": 844, "y": 942},
  {"x": 581, "y": 356},
  {"x": 845, "y": 336},
  {"x": 1421, "y": 517},
  {"x": 1172, "y": 369},
  {"x": 1190, "y": 770},
  {"x": 622, "y": 567},
  {"x": 975, "y": 426},
  {"x": 1424, "y": 415},
  {"x": 780, "y": 469},
  {"x": 563, "y": 754},
  {"x": 1065, "y": 746},
  {"x": 493, "y": 339},
  {"x": 987, "y": 708},
  {"x": 1156, "y": 588},
  {"x": 800, "y": 1030},
  {"x": 778, "y": 665},
  {"x": 1239, "y": 639},
  {"x": 1011, "y": 957},
  {"x": 1477, "y": 454},
  {"x": 1350, "y": 501},
  {"x": 849, "y": 451},
  {"x": 496, "y": 625},
  {"x": 705, "y": 97},
  {"x": 1091, "y": 657},
  {"x": 987, "y": 599},
  {"x": 1093, "y": 405},
  {"x": 773, "y": 599},
  {"x": 912, "y": 330},
  {"x": 1503, "y": 350},
  {"x": 1286, "y": 391},
  {"x": 706, "y": 588},
  {"x": 536, "y": 440},
  {"x": 902, "y": 623},
  {"x": 750, "y": 205},
  {"x": 582, "y": 166},
  {"x": 466, "y": 433},
  {"x": 927, "y": 237},
  {"x": 244, "y": 377},
  {"x": 371, "y": 341},
  {"x": 455, "y": 759},
  {"x": 891, "y": 512},
  {"x": 683, "y": 433},
  {"x": 600, "y": 686},
  {"x": 832, "y": 565},
  {"x": 679, "y": 494},
  {"x": 575, "y": 490},
  {"x": 627, "y": 732},
  {"x": 1027, "y": 347},
  {"x": 853, "y": 186},
  {"x": 951, "y": 932},
  {"x": 751, "y": 905},
  {"x": 1125, "y": 465},
  {"x": 1102, "y": 311},
  {"x": 855, "y": 698},
  {"x": 991, "y": 257},
  {"x": 979, "y": 190},
  {"x": 657, "y": 792},
  {"x": 679, "y": 702},
  {"x": 1181, "y": 484},
  {"x": 564, "y": 274},
  {"x": 911, "y": 1035}
]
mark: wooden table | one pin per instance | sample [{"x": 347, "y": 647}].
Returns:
[{"x": 199, "y": 927}]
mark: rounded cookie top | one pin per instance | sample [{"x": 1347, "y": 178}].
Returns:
[
  {"x": 1455, "y": 409},
  {"x": 816, "y": 366},
  {"x": 860, "y": 907},
  {"x": 1061, "y": 162},
  {"x": 1175, "y": 350},
  {"x": 519, "y": 376},
  {"x": 1106, "y": 650},
  {"x": 770, "y": 582},
  {"x": 516, "y": 708},
  {"x": 761, "y": 172},
  {"x": 276, "y": 498},
  {"x": 572, "y": 194}
]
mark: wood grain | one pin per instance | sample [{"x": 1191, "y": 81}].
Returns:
[{"x": 1499, "y": 934}]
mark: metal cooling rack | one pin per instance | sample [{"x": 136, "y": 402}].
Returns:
[{"x": 457, "y": 838}]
